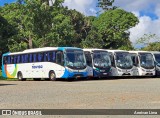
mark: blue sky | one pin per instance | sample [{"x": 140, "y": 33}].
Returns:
[
  {"x": 2, "y": 2},
  {"x": 148, "y": 12}
]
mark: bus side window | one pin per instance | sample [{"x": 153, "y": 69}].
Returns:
[
  {"x": 35, "y": 57},
  {"x": 88, "y": 58},
  {"x": 12, "y": 59},
  {"x": 49, "y": 55},
  {"x": 15, "y": 59},
  {"x": 45, "y": 56},
  {"x": 53, "y": 56},
  {"x": 26, "y": 58},
  {"x": 112, "y": 59},
  {"x": 5, "y": 60},
  {"x": 137, "y": 61},
  {"x": 40, "y": 57},
  {"x": 8, "y": 59},
  {"x": 30, "y": 58},
  {"x": 23, "y": 58},
  {"x": 19, "y": 59},
  {"x": 59, "y": 58}
]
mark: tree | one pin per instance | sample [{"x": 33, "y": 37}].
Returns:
[
  {"x": 150, "y": 42},
  {"x": 106, "y": 5},
  {"x": 113, "y": 27},
  {"x": 155, "y": 46},
  {"x": 6, "y": 31},
  {"x": 146, "y": 39},
  {"x": 34, "y": 22}
]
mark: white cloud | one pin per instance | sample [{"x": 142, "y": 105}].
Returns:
[
  {"x": 146, "y": 24},
  {"x": 157, "y": 10},
  {"x": 86, "y": 7}
]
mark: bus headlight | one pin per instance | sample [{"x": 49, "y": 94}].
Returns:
[
  {"x": 119, "y": 70},
  {"x": 157, "y": 68},
  {"x": 143, "y": 70},
  {"x": 97, "y": 70}
]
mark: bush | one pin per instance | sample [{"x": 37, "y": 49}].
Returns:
[{"x": 1, "y": 78}]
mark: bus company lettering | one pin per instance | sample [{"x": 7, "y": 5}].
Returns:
[{"x": 37, "y": 67}]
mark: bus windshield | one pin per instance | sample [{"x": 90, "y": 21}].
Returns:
[
  {"x": 101, "y": 59},
  {"x": 157, "y": 59},
  {"x": 75, "y": 59},
  {"x": 146, "y": 60},
  {"x": 123, "y": 60}
]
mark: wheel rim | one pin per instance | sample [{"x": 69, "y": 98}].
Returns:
[
  {"x": 20, "y": 77},
  {"x": 52, "y": 76}
]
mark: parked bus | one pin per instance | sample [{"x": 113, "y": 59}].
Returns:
[
  {"x": 98, "y": 62},
  {"x": 47, "y": 62},
  {"x": 121, "y": 61},
  {"x": 143, "y": 63},
  {"x": 156, "y": 57}
]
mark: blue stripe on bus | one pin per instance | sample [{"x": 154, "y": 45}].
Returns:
[
  {"x": 3, "y": 66},
  {"x": 68, "y": 74}
]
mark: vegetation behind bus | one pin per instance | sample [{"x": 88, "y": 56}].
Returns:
[{"x": 57, "y": 25}]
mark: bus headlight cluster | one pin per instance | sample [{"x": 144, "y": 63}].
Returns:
[
  {"x": 143, "y": 70},
  {"x": 157, "y": 68}
]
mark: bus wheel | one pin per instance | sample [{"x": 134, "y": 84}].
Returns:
[
  {"x": 20, "y": 77},
  {"x": 37, "y": 79},
  {"x": 52, "y": 76}
]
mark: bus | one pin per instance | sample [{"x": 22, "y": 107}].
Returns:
[
  {"x": 121, "y": 62},
  {"x": 50, "y": 63},
  {"x": 156, "y": 57},
  {"x": 143, "y": 63},
  {"x": 98, "y": 63}
]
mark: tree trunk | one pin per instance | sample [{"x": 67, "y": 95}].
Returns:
[{"x": 30, "y": 42}]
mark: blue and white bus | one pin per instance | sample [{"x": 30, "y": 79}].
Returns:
[
  {"x": 156, "y": 57},
  {"x": 98, "y": 62},
  {"x": 48, "y": 62},
  {"x": 143, "y": 62},
  {"x": 122, "y": 64}
]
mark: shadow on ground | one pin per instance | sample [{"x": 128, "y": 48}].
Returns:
[{"x": 7, "y": 84}]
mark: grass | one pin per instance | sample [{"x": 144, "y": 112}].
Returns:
[
  {"x": 1, "y": 78},
  {"x": 8, "y": 79}
]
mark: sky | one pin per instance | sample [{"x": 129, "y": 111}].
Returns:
[{"x": 147, "y": 11}]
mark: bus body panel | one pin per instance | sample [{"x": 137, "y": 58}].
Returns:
[
  {"x": 89, "y": 71},
  {"x": 41, "y": 69},
  {"x": 117, "y": 71},
  {"x": 92, "y": 70},
  {"x": 138, "y": 69},
  {"x": 156, "y": 57}
]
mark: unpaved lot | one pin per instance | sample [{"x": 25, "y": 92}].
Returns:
[{"x": 100, "y": 94}]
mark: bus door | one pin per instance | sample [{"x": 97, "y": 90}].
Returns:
[
  {"x": 114, "y": 71},
  {"x": 135, "y": 71},
  {"x": 88, "y": 57},
  {"x": 59, "y": 69}
]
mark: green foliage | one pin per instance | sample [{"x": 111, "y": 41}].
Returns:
[
  {"x": 152, "y": 47},
  {"x": 106, "y": 5},
  {"x": 112, "y": 27},
  {"x": 147, "y": 38},
  {"x": 33, "y": 24},
  {"x": 1, "y": 78}
]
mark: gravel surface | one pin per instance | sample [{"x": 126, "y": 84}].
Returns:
[{"x": 99, "y": 94}]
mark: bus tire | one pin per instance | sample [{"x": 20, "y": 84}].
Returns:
[
  {"x": 37, "y": 79},
  {"x": 20, "y": 77},
  {"x": 52, "y": 76}
]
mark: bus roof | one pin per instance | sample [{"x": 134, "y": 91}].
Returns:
[
  {"x": 93, "y": 49},
  {"x": 154, "y": 52},
  {"x": 116, "y": 50},
  {"x": 40, "y": 50},
  {"x": 139, "y": 52}
]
